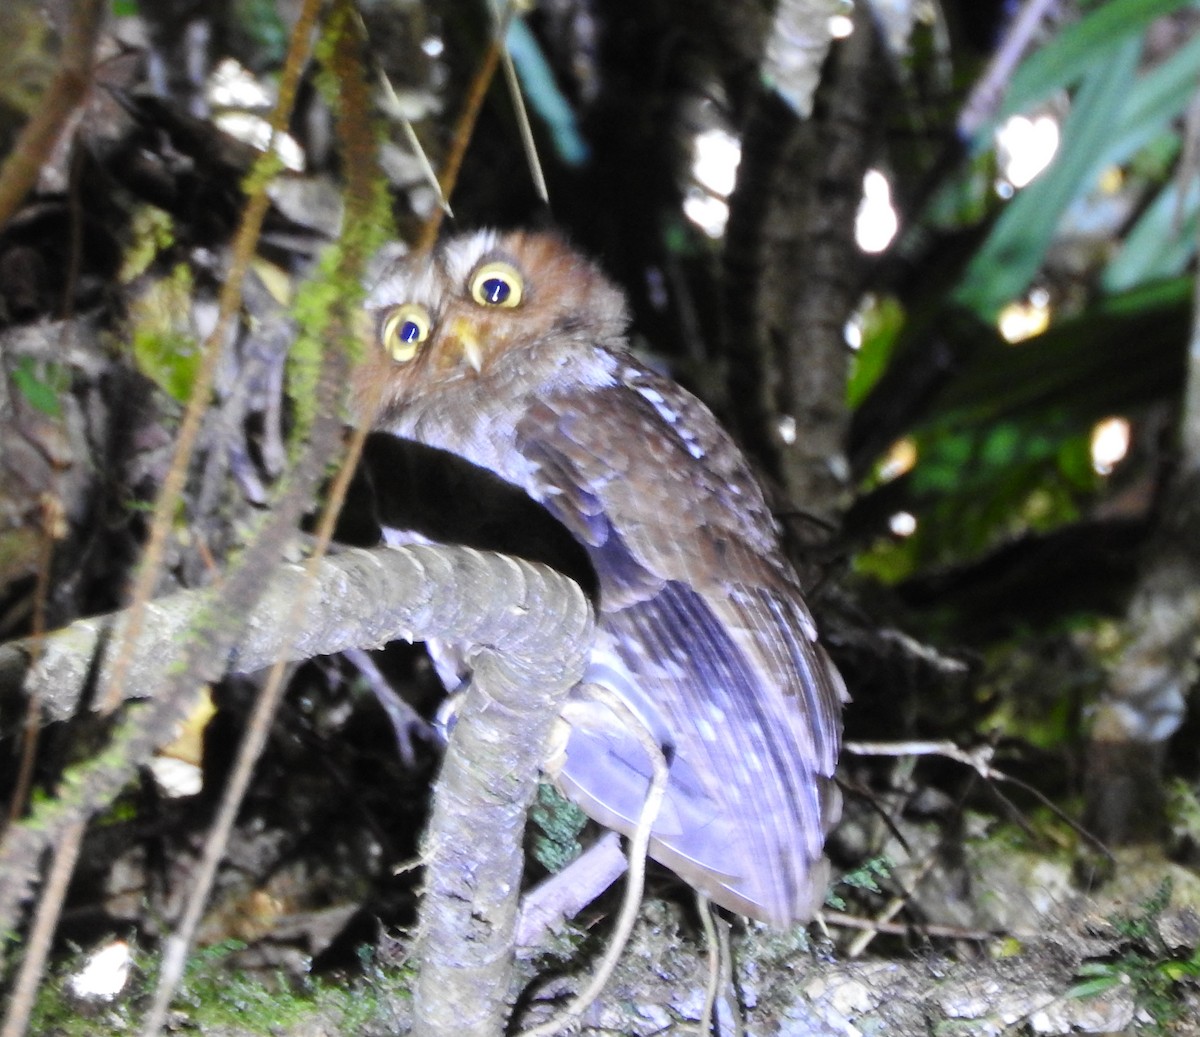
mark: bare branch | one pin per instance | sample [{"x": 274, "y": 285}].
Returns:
[
  {"x": 361, "y": 599},
  {"x": 531, "y": 628}
]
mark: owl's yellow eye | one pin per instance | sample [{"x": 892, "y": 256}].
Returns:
[
  {"x": 403, "y": 331},
  {"x": 497, "y": 284}
]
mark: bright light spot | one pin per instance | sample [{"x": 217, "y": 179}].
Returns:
[
  {"x": 1110, "y": 444},
  {"x": 876, "y": 223},
  {"x": 903, "y": 523},
  {"x": 706, "y": 212},
  {"x": 104, "y": 975},
  {"x": 787, "y": 429},
  {"x": 433, "y": 46},
  {"x": 232, "y": 86},
  {"x": 256, "y": 131},
  {"x": 852, "y": 331},
  {"x": 715, "y": 158},
  {"x": 1025, "y": 318},
  {"x": 898, "y": 460},
  {"x": 841, "y": 26},
  {"x": 1026, "y": 147},
  {"x": 176, "y": 778}
]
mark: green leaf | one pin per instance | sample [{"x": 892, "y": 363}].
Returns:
[
  {"x": 1162, "y": 242},
  {"x": 1096, "y": 986},
  {"x": 1013, "y": 252},
  {"x": 881, "y": 325},
  {"x": 544, "y": 95},
  {"x": 1079, "y": 49},
  {"x": 1123, "y": 352},
  {"x": 1153, "y": 100},
  {"x": 41, "y": 393}
]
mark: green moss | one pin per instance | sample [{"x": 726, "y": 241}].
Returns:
[
  {"x": 152, "y": 231},
  {"x": 216, "y": 997},
  {"x": 327, "y": 308},
  {"x": 559, "y": 822},
  {"x": 267, "y": 166},
  {"x": 164, "y": 347}
]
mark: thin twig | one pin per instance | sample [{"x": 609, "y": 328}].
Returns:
[
  {"x": 465, "y": 127},
  {"x": 522, "y": 113},
  {"x": 244, "y": 246},
  {"x": 639, "y": 845},
  {"x": 704, "y": 906},
  {"x": 950, "y": 932},
  {"x": 979, "y": 760},
  {"x": 892, "y": 908},
  {"x": 41, "y": 934},
  {"x": 988, "y": 93},
  {"x": 725, "y": 953},
  {"x": 52, "y": 516},
  {"x": 414, "y": 143},
  {"x": 67, "y": 89}
]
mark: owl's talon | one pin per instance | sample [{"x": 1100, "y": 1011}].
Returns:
[{"x": 447, "y": 712}]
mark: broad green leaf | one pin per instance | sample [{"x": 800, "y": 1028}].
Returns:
[
  {"x": 881, "y": 324},
  {"x": 1106, "y": 361}
]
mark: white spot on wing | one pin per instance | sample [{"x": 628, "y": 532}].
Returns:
[{"x": 663, "y": 410}]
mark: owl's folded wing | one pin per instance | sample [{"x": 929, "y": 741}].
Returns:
[{"x": 703, "y": 632}]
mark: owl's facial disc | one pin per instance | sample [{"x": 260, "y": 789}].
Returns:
[{"x": 493, "y": 285}]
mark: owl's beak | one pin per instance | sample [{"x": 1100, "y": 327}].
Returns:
[{"x": 463, "y": 332}]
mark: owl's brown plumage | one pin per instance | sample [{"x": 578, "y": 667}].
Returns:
[{"x": 510, "y": 351}]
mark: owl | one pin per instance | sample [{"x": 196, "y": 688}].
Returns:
[{"x": 510, "y": 350}]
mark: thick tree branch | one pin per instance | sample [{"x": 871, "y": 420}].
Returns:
[
  {"x": 361, "y": 599},
  {"x": 531, "y": 629},
  {"x": 1146, "y": 699}
]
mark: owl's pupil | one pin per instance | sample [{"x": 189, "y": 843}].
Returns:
[
  {"x": 410, "y": 331},
  {"x": 496, "y": 290}
]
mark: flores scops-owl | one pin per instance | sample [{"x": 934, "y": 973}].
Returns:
[{"x": 510, "y": 351}]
